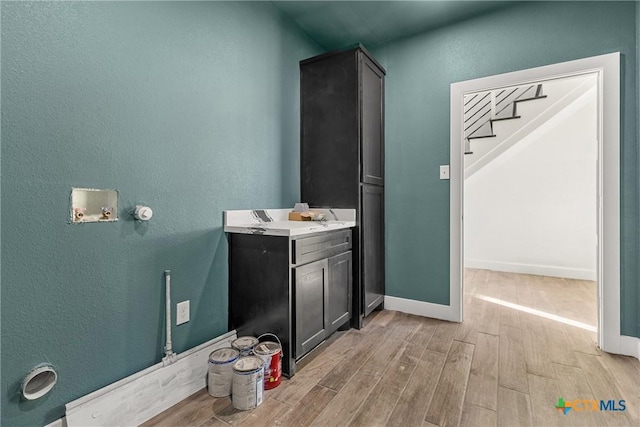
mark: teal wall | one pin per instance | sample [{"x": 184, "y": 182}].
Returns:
[
  {"x": 192, "y": 108},
  {"x": 189, "y": 107},
  {"x": 637, "y": 309},
  {"x": 420, "y": 70}
]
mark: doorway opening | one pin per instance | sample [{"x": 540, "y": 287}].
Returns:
[
  {"x": 605, "y": 72},
  {"x": 530, "y": 204}
]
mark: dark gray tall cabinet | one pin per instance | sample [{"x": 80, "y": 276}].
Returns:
[{"x": 342, "y": 157}]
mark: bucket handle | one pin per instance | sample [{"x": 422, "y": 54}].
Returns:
[{"x": 273, "y": 335}]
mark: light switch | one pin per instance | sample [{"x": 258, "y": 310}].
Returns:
[{"x": 444, "y": 171}]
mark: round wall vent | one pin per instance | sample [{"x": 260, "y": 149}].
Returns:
[{"x": 39, "y": 382}]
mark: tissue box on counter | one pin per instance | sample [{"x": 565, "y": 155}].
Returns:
[{"x": 300, "y": 216}]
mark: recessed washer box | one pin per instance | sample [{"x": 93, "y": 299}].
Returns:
[{"x": 93, "y": 205}]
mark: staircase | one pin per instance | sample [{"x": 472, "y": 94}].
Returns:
[
  {"x": 497, "y": 120},
  {"x": 482, "y": 110}
]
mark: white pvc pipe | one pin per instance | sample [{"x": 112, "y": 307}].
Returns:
[{"x": 168, "y": 351}]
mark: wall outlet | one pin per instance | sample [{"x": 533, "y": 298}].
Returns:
[{"x": 182, "y": 312}]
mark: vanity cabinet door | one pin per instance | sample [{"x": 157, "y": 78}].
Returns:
[
  {"x": 311, "y": 298},
  {"x": 340, "y": 280}
]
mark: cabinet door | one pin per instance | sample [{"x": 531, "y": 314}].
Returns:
[
  {"x": 329, "y": 173},
  {"x": 372, "y": 117},
  {"x": 372, "y": 246},
  {"x": 340, "y": 280},
  {"x": 311, "y": 296}
]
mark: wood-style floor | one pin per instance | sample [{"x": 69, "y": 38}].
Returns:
[{"x": 503, "y": 366}]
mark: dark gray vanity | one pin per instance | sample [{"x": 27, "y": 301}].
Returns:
[{"x": 297, "y": 286}]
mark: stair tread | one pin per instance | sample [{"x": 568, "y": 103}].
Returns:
[
  {"x": 481, "y": 136},
  {"x": 497, "y": 119},
  {"x": 530, "y": 99}
]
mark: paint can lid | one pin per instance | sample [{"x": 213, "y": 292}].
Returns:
[
  {"x": 267, "y": 348},
  {"x": 248, "y": 364},
  {"x": 223, "y": 355},
  {"x": 243, "y": 343}
]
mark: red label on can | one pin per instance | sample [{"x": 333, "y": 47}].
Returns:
[{"x": 273, "y": 371}]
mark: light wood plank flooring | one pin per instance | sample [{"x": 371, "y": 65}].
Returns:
[{"x": 504, "y": 365}]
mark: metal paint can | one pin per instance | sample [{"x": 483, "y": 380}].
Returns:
[
  {"x": 271, "y": 353},
  {"x": 244, "y": 345},
  {"x": 221, "y": 371},
  {"x": 248, "y": 383}
]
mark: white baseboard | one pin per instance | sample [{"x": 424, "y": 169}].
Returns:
[
  {"x": 539, "y": 270},
  {"x": 630, "y": 346},
  {"x": 420, "y": 308},
  {"x": 60, "y": 422},
  {"x": 143, "y": 395}
]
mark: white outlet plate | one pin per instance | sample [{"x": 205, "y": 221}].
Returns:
[
  {"x": 444, "y": 171},
  {"x": 182, "y": 312}
]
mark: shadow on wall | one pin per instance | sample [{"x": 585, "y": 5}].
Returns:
[
  {"x": 198, "y": 264},
  {"x": 14, "y": 396},
  {"x": 131, "y": 225},
  {"x": 289, "y": 53}
]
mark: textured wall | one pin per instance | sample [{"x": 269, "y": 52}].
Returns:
[
  {"x": 637, "y": 303},
  {"x": 419, "y": 73},
  {"x": 189, "y": 107}
]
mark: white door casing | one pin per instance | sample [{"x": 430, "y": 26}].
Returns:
[{"x": 607, "y": 68}]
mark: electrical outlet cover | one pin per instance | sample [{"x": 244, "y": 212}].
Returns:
[{"x": 182, "y": 312}]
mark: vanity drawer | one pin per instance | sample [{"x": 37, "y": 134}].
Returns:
[{"x": 313, "y": 248}]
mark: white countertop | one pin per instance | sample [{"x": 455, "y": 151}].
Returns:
[{"x": 274, "y": 222}]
